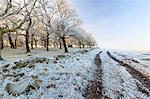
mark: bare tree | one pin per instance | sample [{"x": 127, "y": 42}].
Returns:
[
  {"x": 66, "y": 21},
  {"x": 90, "y": 41},
  {"x": 56, "y": 24},
  {"x": 11, "y": 9},
  {"x": 80, "y": 37},
  {"x": 47, "y": 13},
  {"x": 60, "y": 18}
]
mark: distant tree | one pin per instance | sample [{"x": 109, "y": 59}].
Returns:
[
  {"x": 90, "y": 41},
  {"x": 80, "y": 37}
]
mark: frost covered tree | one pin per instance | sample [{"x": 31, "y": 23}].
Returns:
[
  {"x": 66, "y": 21},
  {"x": 84, "y": 38},
  {"x": 10, "y": 10},
  {"x": 41, "y": 22},
  {"x": 90, "y": 41},
  {"x": 47, "y": 11},
  {"x": 80, "y": 37},
  {"x": 60, "y": 18}
]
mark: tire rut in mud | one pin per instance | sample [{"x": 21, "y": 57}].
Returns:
[
  {"x": 135, "y": 74},
  {"x": 94, "y": 90}
]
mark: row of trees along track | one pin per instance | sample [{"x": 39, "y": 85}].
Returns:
[
  {"x": 94, "y": 89},
  {"x": 41, "y": 22},
  {"x": 135, "y": 74}
]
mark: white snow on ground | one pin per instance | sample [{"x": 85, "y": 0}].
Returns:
[
  {"x": 142, "y": 68},
  {"x": 141, "y": 56},
  {"x": 118, "y": 82},
  {"x": 20, "y": 53},
  {"x": 64, "y": 78}
]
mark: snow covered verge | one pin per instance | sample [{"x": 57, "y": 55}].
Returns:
[
  {"x": 141, "y": 57},
  {"x": 12, "y": 55},
  {"x": 119, "y": 83},
  {"x": 60, "y": 77},
  {"x": 136, "y": 64},
  {"x": 94, "y": 89}
]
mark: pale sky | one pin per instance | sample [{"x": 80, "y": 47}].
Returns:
[{"x": 117, "y": 24}]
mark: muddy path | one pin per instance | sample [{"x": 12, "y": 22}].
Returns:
[
  {"x": 94, "y": 89},
  {"x": 135, "y": 74}
]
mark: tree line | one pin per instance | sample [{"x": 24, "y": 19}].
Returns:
[{"x": 41, "y": 23}]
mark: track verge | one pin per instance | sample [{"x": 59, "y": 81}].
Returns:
[
  {"x": 135, "y": 74},
  {"x": 94, "y": 89}
]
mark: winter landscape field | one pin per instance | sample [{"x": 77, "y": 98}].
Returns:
[
  {"x": 74, "y": 49},
  {"x": 83, "y": 73}
]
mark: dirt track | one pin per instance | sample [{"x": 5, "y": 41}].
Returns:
[
  {"x": 135, "y": 74},
  {"x": 95, "y": 88}
]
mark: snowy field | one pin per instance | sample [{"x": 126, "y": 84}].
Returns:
[
  {"x": 62, "y": 76},
  {"x": 138, "y": 60},
  {"x": 119, "y": 83},
  {"x": 20, "y": 53},
  {"x": 58, "y": 75},
  {"x": 141, "y": 56}
]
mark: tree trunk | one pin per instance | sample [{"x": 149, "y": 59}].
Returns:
[
  {"x": 47, "y": 42},
  {"x": 83, "y": 45},
  {"x": 2, "y": 43},
  {"x": 27, "y": 35},
  {"x": 80, "y": 44},
  {"x": 1, "y": 46},
  {"x": 27, "y": 42},
  {"x": 10, "y": 41},
  {"x": 64, "y": 43},
  {"x": 0, "y": 55},
  {"x": 35, "y": 43},
  {"x": 32, "y": 39},
  {"x": 60, "y": 44},
  {"x": 16, "y": 40}
]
